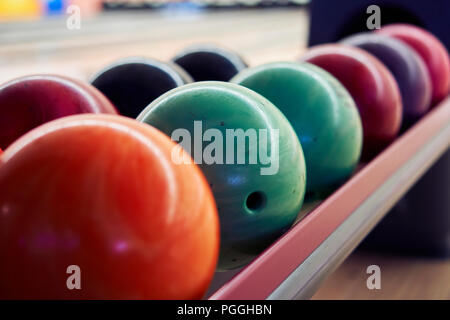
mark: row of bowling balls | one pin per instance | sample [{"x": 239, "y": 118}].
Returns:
[{"x": 102, "y": 192}]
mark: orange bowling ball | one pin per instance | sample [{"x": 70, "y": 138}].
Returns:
[{"x": 95, "y": 202}]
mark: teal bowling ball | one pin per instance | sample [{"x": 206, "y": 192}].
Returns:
[
  {"x": 323, "y": 115},
  {"x": 249, "y": 154}
]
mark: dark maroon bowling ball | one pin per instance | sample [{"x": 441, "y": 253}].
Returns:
[
  {"x": 371, "y": 85},
  {"x": 30, "y": 101},
  {"x": 432, "y": 51},
  {"x": 406, "y": 65}
]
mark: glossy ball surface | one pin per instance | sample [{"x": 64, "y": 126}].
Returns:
[
  {"x": 432, "y": 52},
  {"x": 371, "y": 85},
  {"x": 322, "y": 113},
  {"x": 100, "y": 192},
  {"x": 210, "y": 62},
  {"x": 407, "y": 67},
  {"x": 257, "y": 202}
]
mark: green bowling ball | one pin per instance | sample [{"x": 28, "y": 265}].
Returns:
[
  {"x": 323, "y": 115},
  {"x": 249, "y": 154}
]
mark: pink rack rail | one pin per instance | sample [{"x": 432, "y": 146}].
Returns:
[{"x": 294, "y": 266}]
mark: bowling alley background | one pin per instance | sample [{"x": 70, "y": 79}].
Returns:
[{"x": 369, "y": 109}]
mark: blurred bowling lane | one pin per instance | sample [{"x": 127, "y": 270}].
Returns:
[{"x": 48, "y": 46}]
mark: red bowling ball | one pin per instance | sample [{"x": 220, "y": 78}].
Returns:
[
  {"x": 431, "y": 50},
  {"x": 371, "y": 85},
  {"x": 28, "y": 102}
]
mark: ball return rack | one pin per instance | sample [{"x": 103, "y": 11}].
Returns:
[{"x": 327, "y": 232}]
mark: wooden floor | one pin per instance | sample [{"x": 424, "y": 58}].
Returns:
[
  {"x": 401, "y": 278},
  {"x": 259, "y": 36}
]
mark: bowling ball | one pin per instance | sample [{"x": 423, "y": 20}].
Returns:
[
  {"x": 210, "y": 62},
  {"x": 249, "y": 154},
  {"x": 100, "y": 192},
  {"x": 28, "y": 102},
  {"x": 323, "y": 115},
  {"x": 133, "y": 83},
  {"x": 371, "y": 85},
  {"x": 432, "y": 52},
  {"x": 407, "y": 67}
]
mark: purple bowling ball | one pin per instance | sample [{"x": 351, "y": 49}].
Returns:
[{"x": 408, "y": 68}]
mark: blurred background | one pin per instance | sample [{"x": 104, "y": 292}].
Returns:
[
  {"x": 42, "y": 36},
  {"x": 38, "y": 36}
]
